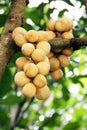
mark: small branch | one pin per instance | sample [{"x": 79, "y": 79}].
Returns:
[
  {"x": 58, "y": 44},
  {"x": 15, "y": 18},
  {"x": 20, "y": 112},
  {"x": 17, "y": 114},
  {"x": 86, "y": 5}
]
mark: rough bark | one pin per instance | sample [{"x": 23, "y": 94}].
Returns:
[
  {"x": 15, "y": 18},
  {"x": 58, "y": 44}
]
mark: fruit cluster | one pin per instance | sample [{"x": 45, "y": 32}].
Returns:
[{"x": 38, "y": 60}]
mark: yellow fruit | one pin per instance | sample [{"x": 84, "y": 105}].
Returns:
[
  {"x": 43, "y": 68},
  {"x": 44, "y": 46},
  {"x": 32, "y": 36},
  {"x": 27, "y": 49},
  {"x": 64, "y": 60},
  {"x": 29, "y": 61},
  {"x": 38, "y": 55},
  {"x": 54, "y": 63},
  {"x": 40, "y": 81},
  {"x": 67, "y": 52},
  {"x": 51, "y": 24},
  {"x": 51, "y": 34},
  {"x": 19, "y": 40},
  {"x": 57, "y": 74},
  {"x": 63, "y": 24},
  {"x": 67, "y": 35},
  {"x": 50, "y": 55},
  {"x": 47, "y": 60},
  {"x": 18, "y": 30},
  {"x": 21, "y": 79},
  {"x": 31, "y": 70},
  {"x": 20, "y": 62},
  {"x": 42, "y": 36},
  {"x": 42, "y": 93},
  {"x": 29, "y": 90}
]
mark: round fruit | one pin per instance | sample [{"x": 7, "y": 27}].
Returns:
[
  {"x": 54, "y": 63},
  {"x": 32, "y": 36},
  {"x": 21, "y": 79},
  {"x": 29, "y": 90},
  {"x": 43, "y": 68},
  {"x": 20, "y": 62},
  {"x": 31, "y": 70},
  {"x": 67, "y": 35},
  {"x": 44, "y": 46},
  {"x": 63, "y": 24},
  {"x": 42, "y": 93},
  {"x": 51, "y": 34},
  {"x": 51, "y": 24},
  {"x": 40, "y": 81},
  {"x": 64, "y": 60},
  {"x": 67, "y": 52},
  {"x": 42, "y": 36},
  {"x": 47, "y": 60},
  {"x": 50, "y": 55},
  {"x": 57, "y": 74},
  {"x": 18, "y": 30},
  {"x": 19, "y": 40},
  {"x": 38, "y": 55},
  {"x": 27, "y": 49}
]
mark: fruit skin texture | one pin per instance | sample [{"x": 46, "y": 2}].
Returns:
[
  {"x": 27, "y": 49},
  {"x": 20, "y": 62},
  {"x": 21, "y": 79},
  {"x": 38, "y": 55},
  {"x": 51, "y": 34},
  {"x": 43, "y": 68},
  {"x": 40, "y": 81},
  {"x": 20, "y": 40},
  {"x": 67, "y": 52},
  {"x": 18, "y": 30},
  {"x": 54, "y": 63},
  {"x": 44, "y": 46},
  {"x": 67, "y": 35},
  {"x": 32, "y": 36},
  {"x": 29, "y": 90},
  {"x": 63, "y": 24},
  {"x": 51, "y": 24},
  {"x": 31, "y": 70},
  {"x": 64, "y": 60},
  {"x": 42, "y": 93},
  {"x": 42, "y": 36},
  {"x": 57, "y": 74}
]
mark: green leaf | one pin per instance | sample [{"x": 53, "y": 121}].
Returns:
[
  {"x": 61, "y": 13},
  {"x": 68, "y": 2},
  {"x": 11, "y": 99},
  {"x": 65, "y": 92},
  {"x": 71, "y": 126},
  {"x": 5, "y": 83},
  {"x": 4, "y": 118}
]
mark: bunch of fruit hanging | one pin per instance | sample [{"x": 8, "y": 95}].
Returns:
[{"x": 39, "y": 60}]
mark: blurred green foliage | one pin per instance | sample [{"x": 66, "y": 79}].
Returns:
[{"x": 66, "y": 108}]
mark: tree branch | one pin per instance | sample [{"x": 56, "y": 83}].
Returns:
[
  {"x": 86, "y": 5},
  {"x": 21, "y": 112},
  {"x": 58, "y": 44},
  {"x": 15, "y": 19}
]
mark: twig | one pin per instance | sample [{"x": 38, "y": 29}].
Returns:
[
  {"x": 17, "y": 114},
  {"x": 20, "y": 112},
  {"x": 86, "y": 5},
  {"x": 58, "y": 44}
]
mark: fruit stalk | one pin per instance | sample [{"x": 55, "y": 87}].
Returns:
[{"x": 58, "y": 44}]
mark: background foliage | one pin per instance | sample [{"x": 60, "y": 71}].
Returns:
[{"x": 66, "y": 108}]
